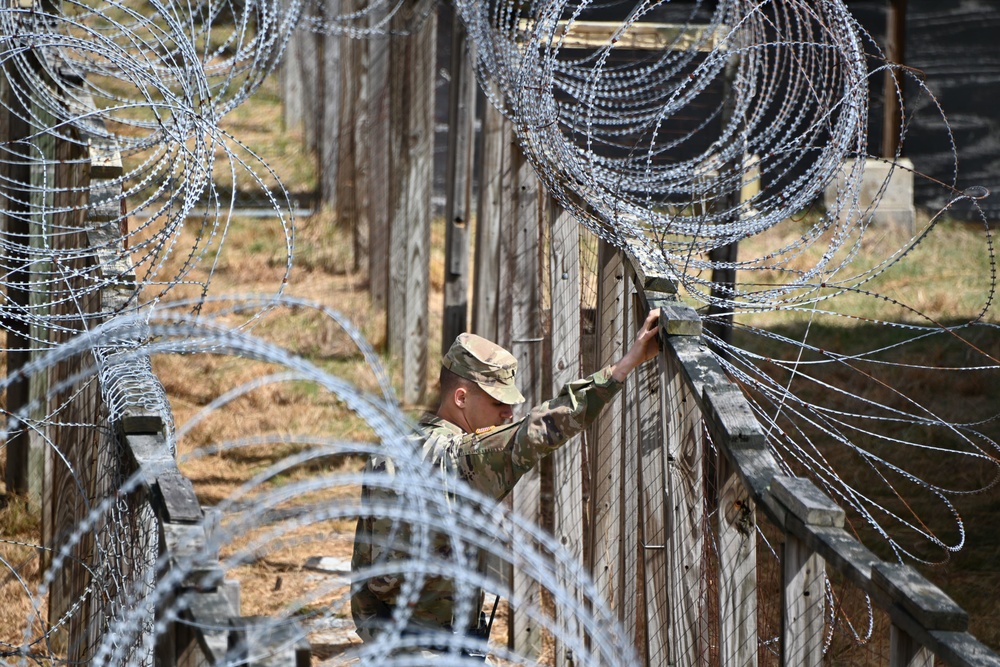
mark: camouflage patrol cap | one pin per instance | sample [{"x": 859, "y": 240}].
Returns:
[{"x": 485, "y": 363}]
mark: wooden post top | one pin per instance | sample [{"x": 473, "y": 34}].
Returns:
[
  {"x": 649, "y": 276},
  {"x": 806, "y": 502}
]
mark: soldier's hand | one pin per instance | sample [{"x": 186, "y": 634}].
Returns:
[{"x": 645, "y": 347}]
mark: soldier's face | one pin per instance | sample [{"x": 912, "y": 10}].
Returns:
[{"x": 482, "y": 410}]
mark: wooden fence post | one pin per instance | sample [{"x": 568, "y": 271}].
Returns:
[
  {"x": 567, "y": 462},
  {"x": 629, "y": 572},
  {"x": 330, "y": 112},
  {"x": 804, "y": 581},
  {"x": 411, "y": 77},
  {"x": 376, "y": 157},
  {"x": 920, "y": 602},
  {"x": 686, "y": 542},
  {"x": 351, "y": 103},
  {"x": 651, "y": 475},
  {"x": 905, "y": 652},
  {"x": 362, "y": 162},
  {"x": 520, "y": 332},
  {"x": 604, "y": 436},
  {"x": 494, "y": 163},
  {"x": 895, "y": 52},
  {"x": 16, "y": 172},
  {"x": 654, "y": 520},
  {"x": 458, "y": 185},
  {"x": 300, "y": 80},
  {"x": 735, "y": 428}
]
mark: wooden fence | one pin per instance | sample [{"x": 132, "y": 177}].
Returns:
[
  {"x": 698, "y": 488},
  {"x": 68, "y": 194},
  {"x": 667, "y": 497},
  {"x": 367, "y": 109}
]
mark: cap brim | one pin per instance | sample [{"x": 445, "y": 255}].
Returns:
[{"x": 505, "y": 393}]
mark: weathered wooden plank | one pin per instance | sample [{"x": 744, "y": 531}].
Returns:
[
  {"x": 842, "y": 552},
  {"x": 629, "y": 544},
  {"x": 183, "y": 543},
  {"x": 804, "y": 601},
  {"x": 207, "y": 617},
  {"x": 647, "y": 275},
  {"x": 136, "y": 419},
  {"x": 685, "y": 453},
  {"x": 493, "y": 165},
  {"x": 757, "y": 467},
  {"x": 567, "y": 462},
  {"x": 921, "y": 599},
  {"x": 105, "y": 160},
  {"x": 151, "y": 456},
  {"x": 677, "y": 319},
  {"x": 905, "y": 652},
  {"x": 520, "y": 280},
  {"x": 458, "y": 185},
  {"x": 697, "y": 365},
  {"x": 653, "y": 523},
  {"x": 960, "y": 649},
  {"x": 729, "y": 419},
  {"x": 604, "y": 438},
  {"x": 736, "y": 540},
  {"x": 806, "y": 502}
]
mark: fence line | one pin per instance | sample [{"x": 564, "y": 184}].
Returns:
[
  {"x": 366, "y": 106},
  {"x": 681, "y": 487},
  {"x": 89, "y": 428}
]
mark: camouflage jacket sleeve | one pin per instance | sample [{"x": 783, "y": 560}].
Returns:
[{"x": 493, "y": 460}]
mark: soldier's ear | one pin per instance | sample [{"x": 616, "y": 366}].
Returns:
[{"x": 459, "y": 396}]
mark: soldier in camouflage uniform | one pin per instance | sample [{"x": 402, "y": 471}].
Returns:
[{"x": 471, "y": 437}]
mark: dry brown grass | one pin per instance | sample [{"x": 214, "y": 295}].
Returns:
[{"x": 21, "y": 573}]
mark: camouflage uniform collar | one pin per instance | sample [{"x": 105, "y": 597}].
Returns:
[{"x": 431, "y": 421}]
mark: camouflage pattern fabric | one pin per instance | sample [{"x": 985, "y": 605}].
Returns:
[{"x": 491, "y": 461}]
